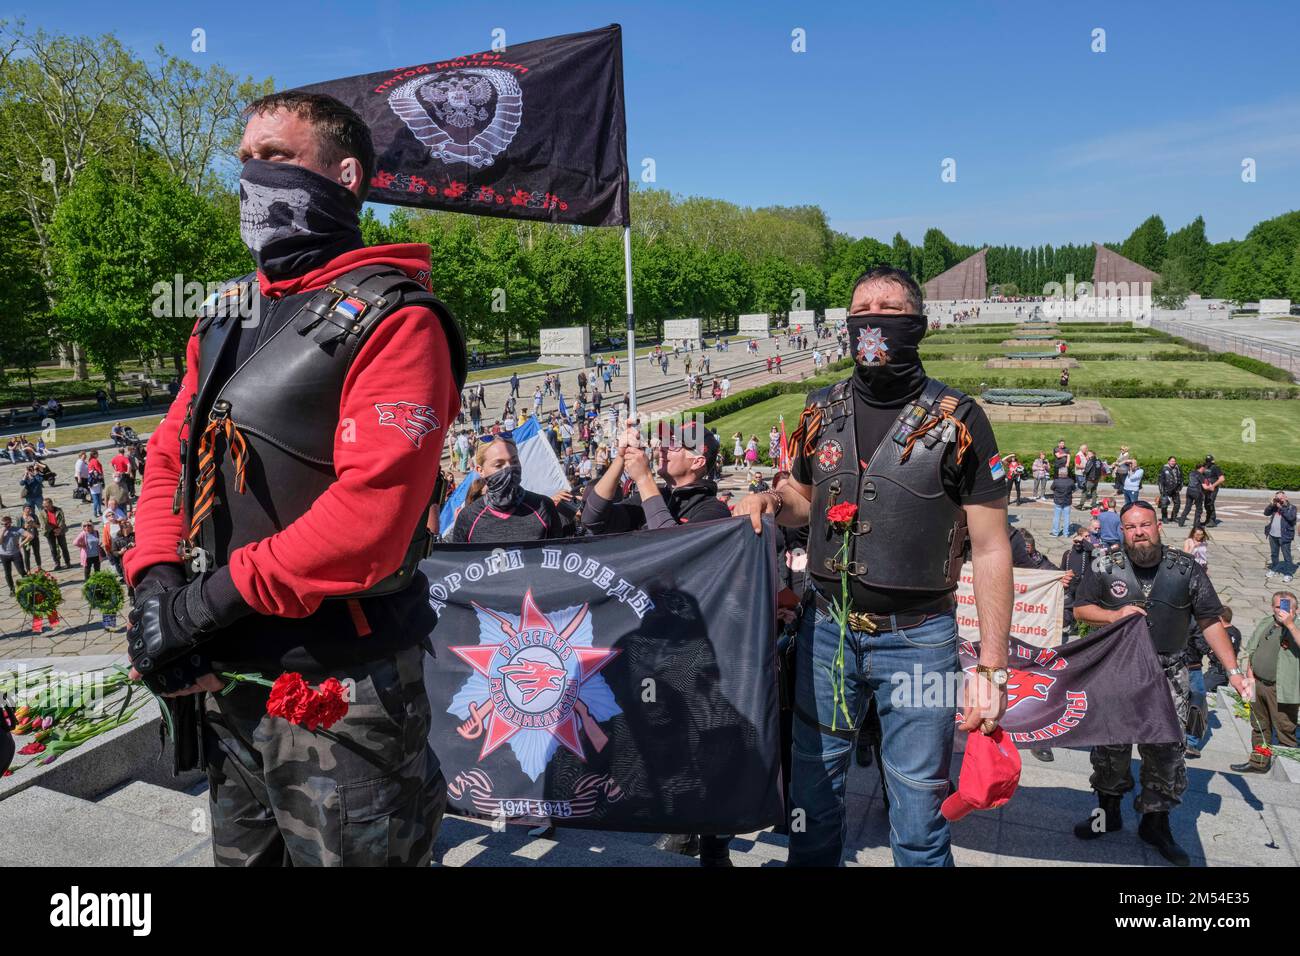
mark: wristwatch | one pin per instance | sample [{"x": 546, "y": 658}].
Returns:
[
  {"x": 998, "y": 675},
  {"x": 1236, "y": 672}
]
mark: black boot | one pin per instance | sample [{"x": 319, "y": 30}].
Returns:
[
  {"x": 687, "y": 844},
  {"x": 715, "y": 851},
  {"x": 1042, "y": 753},
  {"x": 1154, "y": 829},
  {"x": 1099, "y": 825}
]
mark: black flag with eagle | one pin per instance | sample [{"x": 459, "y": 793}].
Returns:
[{"x": 531, "y": 131}]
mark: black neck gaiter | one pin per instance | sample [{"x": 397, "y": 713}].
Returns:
[
  {"x": 294, "y": 220},
  {"x": 887, "y": 351}
]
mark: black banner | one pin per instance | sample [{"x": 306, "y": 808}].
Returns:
[
  {"x": 533, "y": 131},
  {"x": 625, "y": 682},
  {"x": 1105, "y": 688}
]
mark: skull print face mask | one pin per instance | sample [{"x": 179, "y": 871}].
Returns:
[{"x": 293, "y": 220}]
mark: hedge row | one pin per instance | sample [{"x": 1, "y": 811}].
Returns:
[
  {"x": 1082, "y": 357},
  {"x": 1089, "y": 339},
  {"x": 17, "y": 395},
  {"x": 1254, "y": 365},
  {"x": 742, "y": 400},
  {"x": 1127, "y": 388}
]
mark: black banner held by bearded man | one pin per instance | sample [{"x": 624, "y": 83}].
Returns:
[
  {"x": 625, "y": 682},
  {"x": 1105, "y": 688},
  {"x": 533, "y": 131}
]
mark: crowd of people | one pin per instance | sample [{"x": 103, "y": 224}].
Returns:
[{"x": 98, "y": 540}]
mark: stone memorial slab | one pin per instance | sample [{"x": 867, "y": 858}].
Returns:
[
  {"x": 803, "y": 318},
  {"x": 836, "y": 316},
  {"x": 756, "y": 325},
  {"x": 682, "y": 331},
  {"x": 1274, "y": 306},
  {"x": 567, "y": 345}
]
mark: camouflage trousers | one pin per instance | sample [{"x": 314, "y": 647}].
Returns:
[
  {"x": 1164, "y": 766},
  {"x": 366, "y": 792}
]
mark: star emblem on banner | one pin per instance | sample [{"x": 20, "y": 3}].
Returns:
[
  {"x": 535, "y": 683},
  {"x": 871, "y": 347}
]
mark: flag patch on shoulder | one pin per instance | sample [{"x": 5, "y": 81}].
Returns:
[{"x": 996, "y": 469}]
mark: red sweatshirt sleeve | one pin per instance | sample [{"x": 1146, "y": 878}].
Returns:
[
  {"x": 398, "y": 399},
  {"x": 156, "y": 529}
]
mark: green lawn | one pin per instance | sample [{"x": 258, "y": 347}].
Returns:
[
  {"x": 1198, "y": 374},
  {"x": 504, "y": 371},
  {"x": 1159, "y": 427},
  {"x": 1151, "y": 427},
  {"x": 78, "y": 434}
]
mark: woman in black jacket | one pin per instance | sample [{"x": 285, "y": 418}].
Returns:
[{"x": 498, "y": 508}]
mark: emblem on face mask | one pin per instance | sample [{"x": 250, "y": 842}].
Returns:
[
  {"x": 1119, "y": 589},
  {"x": 467, "y": 115},
  {"x": 829, "y": 455},
  {"x": 871, "y": 349}
]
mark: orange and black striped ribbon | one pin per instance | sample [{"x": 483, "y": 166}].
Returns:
[
  {"x": 207, "y": 465},
  {"x": 946, "y": 407}
]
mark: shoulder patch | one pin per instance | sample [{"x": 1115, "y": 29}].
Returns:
[{"x": 412, "y": 420}]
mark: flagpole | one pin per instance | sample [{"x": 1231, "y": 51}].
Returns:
[{"x": 631, "y": 322}]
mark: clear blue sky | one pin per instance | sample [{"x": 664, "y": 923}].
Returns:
[{"x": 1053, "y": 142}]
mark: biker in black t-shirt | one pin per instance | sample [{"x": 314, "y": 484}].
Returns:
[{"x": 926, "y": 472}]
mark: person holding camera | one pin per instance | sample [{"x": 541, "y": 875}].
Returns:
[{"x": 1280, "y": 531}]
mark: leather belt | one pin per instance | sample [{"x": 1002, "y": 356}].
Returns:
[{"x": 871, "y": 623}]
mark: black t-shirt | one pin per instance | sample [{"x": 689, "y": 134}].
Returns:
[
  {"x": 1205, "y": 600},
  {"x": 1212, "y": 474},
  {"x": 971, "y": 482}
]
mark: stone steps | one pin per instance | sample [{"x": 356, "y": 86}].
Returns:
[{"x": 43, "y": 827}]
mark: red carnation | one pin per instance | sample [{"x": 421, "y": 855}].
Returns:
[
  {"x": 1264, "y": 751},
  {"x": 295, "y": 701},
  {"x": 289, "y": 697},
  {"x": 842, "y": 514},
  {"x": 327, "y": 706}
]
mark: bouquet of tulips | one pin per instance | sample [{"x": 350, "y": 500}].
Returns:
[{"x": 61, "y": 713}]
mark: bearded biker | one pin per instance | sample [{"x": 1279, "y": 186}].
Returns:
[
  {"x": 1168, "y": 588},
  {"x": 919, "y": 461},
  {"x": 317, "y": 392}
]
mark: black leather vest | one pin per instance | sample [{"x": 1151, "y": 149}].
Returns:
[
  {"x": 1168, "y": 606},
  {"x": 910, "y": 535},
  {"x": 284, "y": 398}
]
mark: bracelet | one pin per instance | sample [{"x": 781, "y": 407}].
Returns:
[{"x": 780, "y": 501}]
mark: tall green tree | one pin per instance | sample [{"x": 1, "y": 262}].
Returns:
[
  {"x": 1146, "y": 245},
  {"x": 113, "y": 244},
  {"x": 1190, "y": 246}
]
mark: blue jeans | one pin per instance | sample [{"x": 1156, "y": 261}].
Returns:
[
  {"x": 1060, "y": 519},
  {"x": 1130, "y": 496},
  {"x": 1196, "y": 683},
  {"x": 916, "y": 746},
  {"x": 1278, "y": 550},
  {"x": 96, "y": 502}
]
